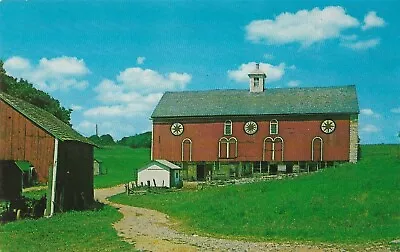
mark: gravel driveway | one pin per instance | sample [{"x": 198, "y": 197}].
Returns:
[{"x": 150, "y": 230}]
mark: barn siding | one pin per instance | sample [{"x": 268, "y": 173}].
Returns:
[
  {"x": 297, "y": 133},
  {"x": 74, "y": 175},
  {"x": 21, "y": 140}
]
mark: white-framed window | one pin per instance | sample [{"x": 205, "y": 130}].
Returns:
[
  {"x": 273, "y": 127},
  {"x": 228, "y": 128},
  {"x": 256, "y": 81},
  {"x": 273, "y": 149},
  {"x": 317, "y": 145},
  {"x": 227, "y": 147},
  {"x": 186, "y": 149}
]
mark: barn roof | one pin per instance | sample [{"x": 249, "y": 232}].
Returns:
[
  {"x": 44, "y": 120},
  {"x": 279, "y": 101},
  {"x": 161, "y": 163}
]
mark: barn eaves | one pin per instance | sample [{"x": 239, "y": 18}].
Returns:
[{"x": 44, "y": 120}]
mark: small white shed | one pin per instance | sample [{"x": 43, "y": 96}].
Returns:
[{"x": 163, "y": 172}]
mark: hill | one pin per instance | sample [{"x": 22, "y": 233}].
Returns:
[
  {"x": 137, "y": 141},
  {"x": 350, "y": 203}
]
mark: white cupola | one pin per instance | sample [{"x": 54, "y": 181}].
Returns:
[{"x": 257, "y": 80}]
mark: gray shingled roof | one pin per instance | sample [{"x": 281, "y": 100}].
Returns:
[
  {"x": 44, "y": 120},
  {"x": 280, "y": 101}
]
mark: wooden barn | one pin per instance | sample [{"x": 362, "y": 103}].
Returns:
[
  {"x": 220, "y": 133},
  {"x": 62, "y": 157}
]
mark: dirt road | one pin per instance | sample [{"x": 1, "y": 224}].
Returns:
[{"x": 151, "y": 230}]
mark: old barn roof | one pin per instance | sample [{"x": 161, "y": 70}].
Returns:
[
  {"x": 280, "y": 101},
  {"x": 166, "y": 165},
  {"x": 44, "y": 120}
]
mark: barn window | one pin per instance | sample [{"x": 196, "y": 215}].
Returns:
[
  {"x": 273, "y": 127},
  {"x": 256, "y": 82},
  {"x": 228, "y": 128},
  {"x": 227, "y": 147},
  {"x": 273, "y": 149},
  {"x": 316, "y": 148},
  {"x": 187, "y": 149}
]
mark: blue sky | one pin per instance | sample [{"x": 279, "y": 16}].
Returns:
[{"x": 111, "y": 60}]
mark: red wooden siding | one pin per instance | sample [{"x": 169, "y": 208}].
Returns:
[
  {"x": 21, "y": 139},
  {"x": 297, "y": 134}
]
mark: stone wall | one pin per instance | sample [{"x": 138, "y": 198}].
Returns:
[{"x": 353, "y": 150}]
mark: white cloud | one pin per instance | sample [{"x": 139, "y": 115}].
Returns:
[
  {"x": 147, "y": 80},
  {"x": 127, "y": 101},
  {"x": 61, "y": 73},
  {"x": 305, "y": 26},
  {"x": 294, "y": 83},
  {"x": 362, "y": 45},
  {"x": 268, "y": 56},
  {"x": 370, "y": 128},
  {"x": 369, "y": 112},
  {"x": 273, "y": 73},
  {"x": 372, "y": 20},
  {"x": 140, "y": 60},
  {"x": 395, "y": 110},
  {"x": 76, "y": 107}
]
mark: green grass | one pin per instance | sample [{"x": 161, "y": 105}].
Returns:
[
  {"x": 72, "y": 231},
  {"x": 121, "y": 163},
  {"x": 346, "y": 204}
]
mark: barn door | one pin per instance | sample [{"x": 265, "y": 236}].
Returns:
[
  {"x": 268, "y": 149},
  {"x": 278, "y": 149}
]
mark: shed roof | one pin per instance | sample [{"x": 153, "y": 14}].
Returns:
[
  {"x": 44, "y": 120},
  {"x": 279, "y": 101},
  {"x": 163, "y": 164}
]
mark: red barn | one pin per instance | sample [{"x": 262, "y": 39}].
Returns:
[
  {"x": 61, "y": 156},
  {"x": 240, "y": 132}
]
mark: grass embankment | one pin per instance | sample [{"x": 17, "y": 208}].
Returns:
[
  {"x": 72, "y": 231},
  {"x": 347, "y": 204},
  {"x": 120, "y": 163}
]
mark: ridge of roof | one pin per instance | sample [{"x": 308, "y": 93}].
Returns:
[
  {"x": 44, "y": 120},
  {"x": 285, "y": 101}
]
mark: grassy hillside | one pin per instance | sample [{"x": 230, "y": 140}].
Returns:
[
  {"x": 347, "y": 204},
  {"x": 120, "y": 163},
  {"x": 73, "y": 231}
]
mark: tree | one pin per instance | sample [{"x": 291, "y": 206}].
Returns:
[{"x": 24, "y": 90}]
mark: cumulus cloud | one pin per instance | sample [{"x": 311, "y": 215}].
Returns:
[
  {"x": 128, "y": 100},
  {"x": 362, "y": 45},
  {"x": 76, "y": 107},
  {"x": 294, "y": 83},
  {"x": 268, "y": 56},
  {"x": 140, "y": 60},
  {"x": 148, "y": 80},
  {"x": 305, "y": 26},
  {"x": 372, "y": 20},
  {"x": 369, "y": 112},
  {"x": 370, "y": 128},
  {"x": 395, "y": 110},
  {"x": 273, "y": 73},
  {"x": 61, "y": 73}
]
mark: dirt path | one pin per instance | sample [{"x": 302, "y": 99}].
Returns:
[{"x": 151, "y": 230}]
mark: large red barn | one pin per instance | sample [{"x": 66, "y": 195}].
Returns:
[{"x": 238, "y": 132}]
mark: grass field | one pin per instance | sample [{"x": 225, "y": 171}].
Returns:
[
  {"x": 72, "y": 231},
  {"x": 120, "y": 163},
  {"x": 346, "y": 204}
]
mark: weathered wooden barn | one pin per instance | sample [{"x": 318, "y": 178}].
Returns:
[
  {"x": 257, "y": 130},
  {"x": 62, "y": 157}
]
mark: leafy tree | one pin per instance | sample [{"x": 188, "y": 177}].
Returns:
[
  {"x": 104, "y": 140},
  {"x": 137, "y": 141},
  {"x": 24, "y": 90}
]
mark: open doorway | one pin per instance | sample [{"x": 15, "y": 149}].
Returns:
[{"x": 201, "y": 172}]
